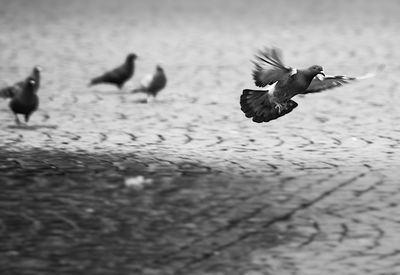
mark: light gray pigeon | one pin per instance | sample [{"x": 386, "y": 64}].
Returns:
[{"x": 152, "y": 84}]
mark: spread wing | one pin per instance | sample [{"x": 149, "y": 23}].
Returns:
[
  {"x": 258, "y": 105},
  {"x": 12, "y": 91},
  {"x": 269, "y": 67},
  {"x": 319, "y": 84},
  {"x": 8, "y": 92}
]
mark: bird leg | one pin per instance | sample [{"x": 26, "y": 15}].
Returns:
[
  {"x": 279, "y": 106},
  {"x": 150, "y": 98},
  {"x": 26, "y": 118},
  {"x": 17, "y": 121}
]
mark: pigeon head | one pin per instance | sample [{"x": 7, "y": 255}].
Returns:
[
  {"x": 158, "y": 68},
  {"x": 131, "y": 57},
  {"x": 36, "y": 71},
  {"x": 316, "y": 69}
]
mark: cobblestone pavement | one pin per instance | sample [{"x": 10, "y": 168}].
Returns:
[{"x": 315, "y": 192}]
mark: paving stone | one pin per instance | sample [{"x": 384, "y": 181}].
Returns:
[{"x": 315, "y": 192}]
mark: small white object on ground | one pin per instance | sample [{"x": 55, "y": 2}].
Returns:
[{"x": 138, "y": 182}]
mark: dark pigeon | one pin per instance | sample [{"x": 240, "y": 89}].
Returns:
[
  {"x": 23, "y": 95},
  {"x": 153, "y": 83},
  {"x": 282, "y": 83},
  {"x": 119, "y": 75}
]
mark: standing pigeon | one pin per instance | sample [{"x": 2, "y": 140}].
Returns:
[
  {"x": 119, "y": 75},
  {"x": 153, "y": 83},
  {"x": 23, "y": 94},
  {"x": 282, "y": 83}
]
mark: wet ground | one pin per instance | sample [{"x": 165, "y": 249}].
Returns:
[{"x": 315, "y": 192}]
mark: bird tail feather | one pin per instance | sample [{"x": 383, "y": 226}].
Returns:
[
  {"x": 257, "y": 104},
  {"x": 272, "y": 57},
  {"x": 95, "y": 81}
]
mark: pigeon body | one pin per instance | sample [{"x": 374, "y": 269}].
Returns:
[
  {"x": 23, "y": 95},
  {"x": 152, "y": 84},
  {"x": 25, "y": 101},
  {"x": 282, "y": 83},
  {"x": 119, "y": 75}
]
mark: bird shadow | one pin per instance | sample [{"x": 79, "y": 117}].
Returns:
[
  {"x": 111, "y": 92},
  {"x": 32, "y": 127},
  {"x": 140, "y": 101},
  {"x": 151, "y": 101}
]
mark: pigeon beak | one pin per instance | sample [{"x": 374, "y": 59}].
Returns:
[{"x": 322, "y": 72}]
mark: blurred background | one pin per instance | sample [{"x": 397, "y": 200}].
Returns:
[{"x": 224, "y": 195}]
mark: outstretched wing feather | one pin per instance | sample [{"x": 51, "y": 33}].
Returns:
[
  {"x": 271, "y": 58},
  {"x": 319, "y": 84}
]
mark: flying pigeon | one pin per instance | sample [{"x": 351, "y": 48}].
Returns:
[
  {"x": 119, "y": 75},
  {"x": 282, "y": 83},
  {"x": 153, "y": 83},
  {"x": 23, "y": 94}
]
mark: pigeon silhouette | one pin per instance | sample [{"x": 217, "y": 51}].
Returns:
[
  {"x": 119, "y": 75},
  {"x": 152, "y": 84},
  {"x": 23, "y": 95},
  {"x": 282, "y": 83}
]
